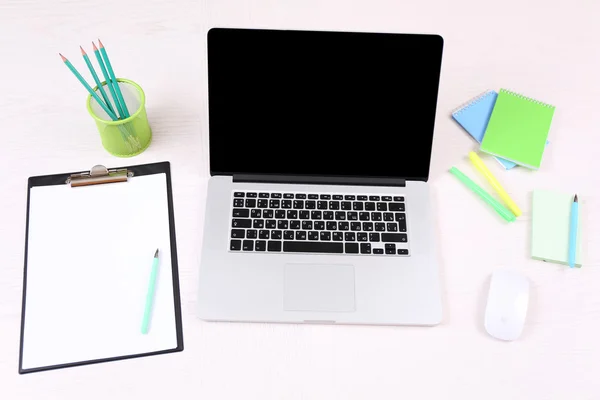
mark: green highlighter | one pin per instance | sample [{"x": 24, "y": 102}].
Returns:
[
  {"x": 150, "y": 294},
  {"x": 500, "y": 209}
]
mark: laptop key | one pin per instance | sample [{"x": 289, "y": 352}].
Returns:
[
  {"x": 238, "y": 194},
  {"x": 381, "y": 206},
  {"x": 250, "y": 203},
  {"x": 282, "y": 224},
  {"x": 313, "y": 247},
  {"x": 361, "y": 237},
  {"x": 251, "y": 233},
  {"x": 398, "y": 198},
  {"x": 255, "y": 213},
  {"x": 250, "y": 194},
  {"x": 301, "y": 196},
  {"x": 367, "y": 226},
  {"x": 334, "y": 205},
  {"x": 346, "y": 205},
  {"x": 274, "y": 203},
  {"x": 355, "y": 226},
  {"x": 400, "y": 217},
  {"x": 313, "y": 235},
  {"x": 351, "y": 248},
  {"x": 340, "y": 215},
  {"x": 260, "y": 245},
  {"x": 238, "y": 202},
  {"x": 394, "y": 237},
  {"x": 270, "y": 224},
  {"x": 364, "y": 216},
  {"x": 352, "y": 215},
  {"x": 267, "y": 213},
  {"x": 374, "y": 237},
  {"x": 390, "y": 248},
  {"x": 275, "y": 195},
  {"x": 286, "y": 204},
  {"x": 263, "y": 195},
  {"x": 365, "y": 248},
  {"x": 300, "y": 235},
  {"x": 402, "y": 226},
  {"x": 396, "y": 207},
  {"x": 357, "y": 206},
  {"x": 304, "y": 214},
  {"x": 258, "y": 223},
  {"x": 288, "y": 235},
  {"x": 292, "y": 214},
  {"x": 349, "y": 197},
  {"x": 273, "y": 245},
  {"x": 295, "y": 224},
  {"x": 337, "y": 197},
  {"x": 388, "y": 216},
  {"x": 343, "y": 226},
  {"x": 237, "y": 233},
  {"x": 392, "y": 227},
  {"x": 319, "y": 225},
  {"x": 325, "y": 197},
  {"x": 375, "y": 216},
  {"x": 403, "y": 252},
  {"x": 328, "y": 215},
  {"x": 279, "y": 214},
  {"x": 288, "y": 195},
  {"x": 349, "y": 236},
  {"x": 322, "y": 205},
  {"x": 241, "y": 213},
  {"x": 313, "y": 196},
  {"x": 386, "y": 198},
  {"x": 337, "y": 236},
  {"x": 331, "y": 225},
  {"x": 298, "y": 204},
  {"x": 307, "y": 225},
  {"x": 325, "y": 236},
  {"x": 263, "y": 234},
  {"x": 362, "y": 197},
  {"x": 235, "y": 245},
  {"x": 248, "y": 245},
  {"x": 374, "y": 198},
  {"x": 380, "y": 226},
  {"x": 315, "y": 215},
  {"x": 377, "y": 251},
  {"x": 310, "y": 204},
  {"x": 241, "y": 223},
  {"x": 370, "y": 206}
]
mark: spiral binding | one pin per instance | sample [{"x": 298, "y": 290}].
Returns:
[
  {"x": 520, "y": 96},
  {"x": 471, "y": 102}
]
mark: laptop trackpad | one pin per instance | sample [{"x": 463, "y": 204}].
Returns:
[{"x": 319, "y": 287}]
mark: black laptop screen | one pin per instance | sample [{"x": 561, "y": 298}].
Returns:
[{"x": 322, "y": 103}]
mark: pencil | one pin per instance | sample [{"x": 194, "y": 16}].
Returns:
[
  {"x": 573, "y": 231},
  {"x": 150, "y": 294},
  {"x": 109, "y": 82},
  {"x": 88, "y": 88},
  {"x": 111, "y": 72},
  {"x": 95, "y": 76}
]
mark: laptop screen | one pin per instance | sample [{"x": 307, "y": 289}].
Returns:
[{"x": 322, "y": 103}]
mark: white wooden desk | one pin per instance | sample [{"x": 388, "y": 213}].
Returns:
[{"x": 547, "y": 49}]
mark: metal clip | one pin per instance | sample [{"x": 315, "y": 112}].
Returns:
[{"x": 99, "y": 174}]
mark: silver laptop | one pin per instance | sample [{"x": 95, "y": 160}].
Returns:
[{"x": 318, "y": 207}]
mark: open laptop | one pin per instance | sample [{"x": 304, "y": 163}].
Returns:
[{"x": 318, "y": 207}]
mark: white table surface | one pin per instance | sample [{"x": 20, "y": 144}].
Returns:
[{"x": 547, "y": 49}]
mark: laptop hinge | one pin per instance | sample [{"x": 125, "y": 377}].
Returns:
[{"x": 319, "y": 180}]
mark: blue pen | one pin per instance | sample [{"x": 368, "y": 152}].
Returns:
[{"x": 573, "y": 232}]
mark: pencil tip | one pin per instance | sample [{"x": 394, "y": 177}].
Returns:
[
  {"x": 575, "y": 199},
  {"x": 83, "y": 53},
  {"x": 94, "y": 45},
  {"x": 156, "y": 254},
  {"x": 63, "y": 57},
  {"x": 100, "y": 43}
]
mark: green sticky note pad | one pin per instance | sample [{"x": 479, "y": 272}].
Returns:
[
  {"x": 550, "y": 227},
  {"x": 518, "y": 129}
]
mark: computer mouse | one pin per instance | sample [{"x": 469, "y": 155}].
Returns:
[{"x": 506, "y": 310}]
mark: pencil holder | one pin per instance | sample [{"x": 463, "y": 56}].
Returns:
[{"x": 126, "y": 137}]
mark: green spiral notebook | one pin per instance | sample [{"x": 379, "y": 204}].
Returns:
[{"x": 518, "y": 129}]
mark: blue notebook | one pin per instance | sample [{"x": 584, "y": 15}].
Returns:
[{"x": 474, "y": 117}]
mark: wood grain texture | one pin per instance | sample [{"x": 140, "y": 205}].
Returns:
[{"x": 545, "y": 49}]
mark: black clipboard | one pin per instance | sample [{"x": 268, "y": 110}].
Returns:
[{"x": 102, "y": 175}]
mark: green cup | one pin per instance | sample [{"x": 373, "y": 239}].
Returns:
[{"x": 127, "y": 137}]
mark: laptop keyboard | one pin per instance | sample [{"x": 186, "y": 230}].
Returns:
[{"x": 276, "y": 222}]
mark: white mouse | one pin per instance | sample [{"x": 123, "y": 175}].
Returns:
[{"x": 507, "y": 303}]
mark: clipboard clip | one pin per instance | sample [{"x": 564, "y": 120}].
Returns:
[{"x": 99, "y": 174}]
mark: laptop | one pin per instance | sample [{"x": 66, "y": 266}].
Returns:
[{"x": 318, "y": 207}]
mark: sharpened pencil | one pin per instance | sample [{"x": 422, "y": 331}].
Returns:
[
  {"x": 96, "y": 79},
  {"x": 113, "y": 77},
  {"x": 109, "y": 81},
  {"x": 88, "y": 88}
]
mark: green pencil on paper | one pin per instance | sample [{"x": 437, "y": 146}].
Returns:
[
  {"x": 96, "y": 79},
  {"x": 88, "y": 88},
  {"x": 500, "y": 209},
  {"x": 109, "y": 82},
  {"x": 150, "y": 294},
  {"x": 113, "y": 79}
]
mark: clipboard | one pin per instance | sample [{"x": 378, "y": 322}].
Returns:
[{"x": 89, "y": 245}]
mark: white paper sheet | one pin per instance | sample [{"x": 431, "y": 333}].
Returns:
[{"x": 88, "y": 265}]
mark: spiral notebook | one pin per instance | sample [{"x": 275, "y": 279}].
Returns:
[
  {"x": 518, "y": 129},
  {"x": 474, "y": 117}
]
